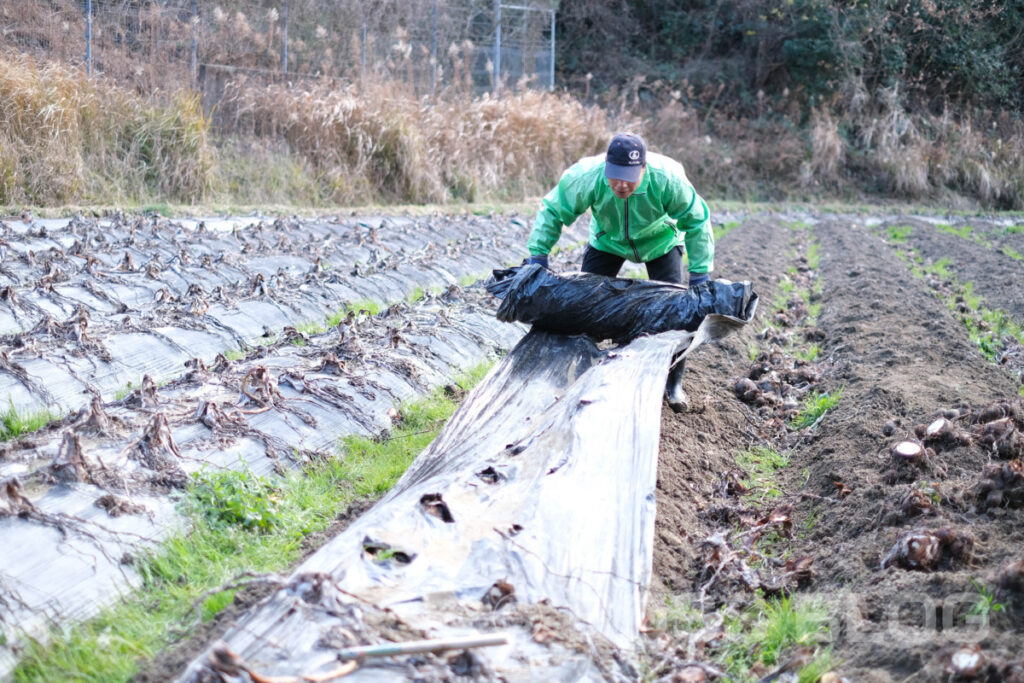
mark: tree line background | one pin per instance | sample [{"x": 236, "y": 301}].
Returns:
[{"x": 939, "y": 53}]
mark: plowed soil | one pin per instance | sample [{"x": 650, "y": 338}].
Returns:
[
  {"x": 901, "y": 358},
  {"x": 980, "y": 252}
]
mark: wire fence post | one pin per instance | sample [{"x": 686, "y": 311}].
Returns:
[
  {"x": 525, "y": 55},
  {"x": 497, "y": 46},
  {"x": 88, "y": 37},
  {"x": 551, "y": 65},
  {"x": 284, "y": 41},
  {"x": 194, "y": 47},
  {"x": 362, "y": 42},
  {"x": 433, "y": 50}
]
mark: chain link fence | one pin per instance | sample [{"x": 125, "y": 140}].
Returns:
[{"x": 429, "y": 45}]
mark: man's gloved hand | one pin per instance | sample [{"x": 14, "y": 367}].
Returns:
[
  {"x": 697, "y": 278},
  {"x": 541, "y": 259}
]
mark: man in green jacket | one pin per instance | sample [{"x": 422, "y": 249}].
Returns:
[{"x": 643, "y": 210}]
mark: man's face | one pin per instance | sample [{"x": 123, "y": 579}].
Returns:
[{"x": 624, "y": 188}]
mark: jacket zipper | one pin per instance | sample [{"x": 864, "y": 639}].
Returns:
[{"x": 631, "y": 243}]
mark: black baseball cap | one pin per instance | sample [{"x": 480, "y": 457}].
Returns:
[{"x": 626, "y": 157}]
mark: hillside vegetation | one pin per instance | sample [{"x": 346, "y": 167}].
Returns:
[
  {"x": 790, "y": 100},
  {"x": 908, "y": 99}
]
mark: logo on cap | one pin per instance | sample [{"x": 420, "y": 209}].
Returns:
[{"x": 634, "y": 155}]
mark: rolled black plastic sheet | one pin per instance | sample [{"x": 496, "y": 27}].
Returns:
[{"x": 619, "y": 309}]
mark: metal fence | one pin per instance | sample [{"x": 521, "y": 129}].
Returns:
[{"x": 427, "y": 44}]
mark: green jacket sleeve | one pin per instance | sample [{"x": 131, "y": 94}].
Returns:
[
  {"x": 569, "y": 200},
  {"x": 693, "y": 218}
]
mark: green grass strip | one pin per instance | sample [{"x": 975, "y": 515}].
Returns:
[
  {"x": 814, "y": 407},
  {"x": 991, "y": 330},
  {"x": 811, "y": 353},
  {"x": 237, "y": 522},
  {"x": 760, "y": 464},
  {"x": 963, "y": 232},
  {"x": 366, "y": 306},
  {"x": 814, "y": 255},
  {"x": 373, "y": 465},
  {"x": 763, "y": 635},
  {"x": 899, "y": 233},
  {"x": 722, "y": 229},
  {"x": 111, "y": 646},
  {"x": 15, "y": 423},
  {"x": 939, "y": 268},
  {"x": 759, "y": 638}
]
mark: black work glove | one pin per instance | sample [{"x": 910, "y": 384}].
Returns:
[
  {"x": 697, "y": 278},
  {"x": 541, "y": 259}
]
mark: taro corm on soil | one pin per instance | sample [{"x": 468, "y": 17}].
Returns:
[{"x": 619, "y": 309}]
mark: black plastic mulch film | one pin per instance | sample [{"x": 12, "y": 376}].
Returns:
[{"x": 619, "y": 309}]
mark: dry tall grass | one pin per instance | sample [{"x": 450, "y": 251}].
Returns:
[
  {"x": 40, "y": 133},
  {"x": 729, "y": 156},
  {"x": 828, "y": 153},
  {"x": 924, "y": 156},
  {"x": 861, "y": 146},
  {"x": 64, "y": 138},
  {"x": 67, "y": 139},
  {"x": 377, "y": 141}
]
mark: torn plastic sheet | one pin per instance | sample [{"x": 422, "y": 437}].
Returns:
[
  {"x": 542, "y": 484},
  {"x": 619, "y": 309}
]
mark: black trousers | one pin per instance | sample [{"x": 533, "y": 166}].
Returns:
[{"x": 667, "y": 268}]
